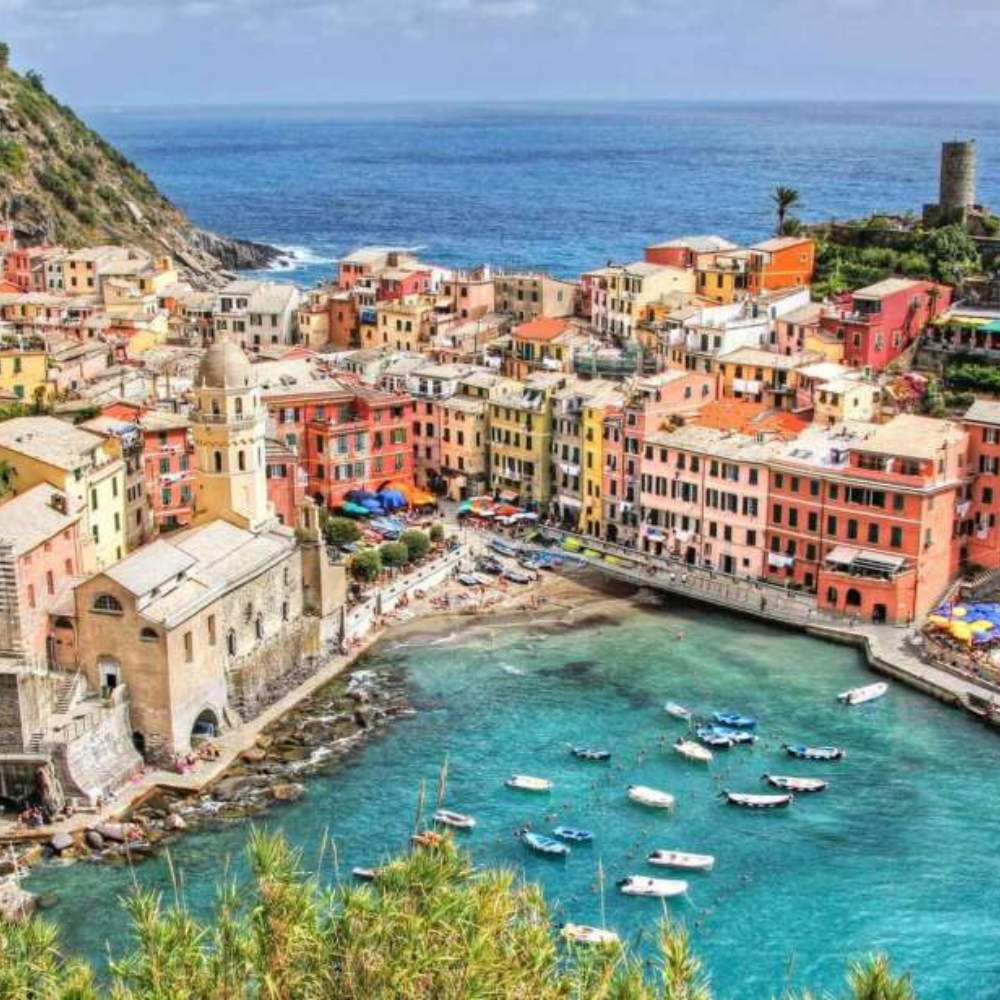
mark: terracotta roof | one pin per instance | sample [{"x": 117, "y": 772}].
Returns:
[
  {"x": 746, "y": 417},
  {"x": 541, "y": 329}
]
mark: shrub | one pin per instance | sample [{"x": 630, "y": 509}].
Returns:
[
  {"x": 437, "y": 533},
  {"x": 367, "y": 565},
  {"x": 417, "y": 544},
  {"x": 394, "y": 555},
  {"x": 12, "y": 158},
  {"x": 340, "y": 531}
]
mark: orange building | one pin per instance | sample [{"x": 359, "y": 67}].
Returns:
[
  {"x": 863, "y": 515},
  {"x": 789, "y": 262}
]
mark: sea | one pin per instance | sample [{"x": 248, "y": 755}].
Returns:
[
  {"x": 560, "y": 187},
  {"x": 898, "y": 855}
]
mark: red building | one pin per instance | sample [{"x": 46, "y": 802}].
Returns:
[
  {"x": 286, "y": 481},
  {"x": 395, "y": 283},
  {"x": 981, "y": 546},
  {"x": 866, "y": 517},
  {"x": 346, "y": 437},
  {"x": 168, "y": 462},
  {"x": 684, "y": 250},
  {"x": 881, "y": 321}
]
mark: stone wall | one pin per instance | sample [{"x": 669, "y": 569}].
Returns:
[
  {"x": 11, "y": 737},
  {"x": 25, "y": 704},
  {"x": 278, "y": 665}
]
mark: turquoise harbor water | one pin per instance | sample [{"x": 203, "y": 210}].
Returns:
[{"x": 900, "y": 854}]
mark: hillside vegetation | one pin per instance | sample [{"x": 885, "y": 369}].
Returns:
[{"x": 61, "y": 182}]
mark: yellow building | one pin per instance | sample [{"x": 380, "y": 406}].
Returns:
[
  {"x": 401, "y": 325},
  {"x": 25, "y": 373},
  {"x": 762, "y": 377},
  {"x": 621, "y": 293},
  {"x": 846, "y": 398},
  {"x": 84, "y": 466},
  {"x": 595, "y": 409},
  {"x": 544, "y": 345},
  {"x": 521, "y": 439}
]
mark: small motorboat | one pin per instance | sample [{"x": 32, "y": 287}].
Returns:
[
  {"x": 590, "y": 753},
  {"x": 469, "y": 580},
  {"x": 427, "y": 838},
  {"x": 454, "y": 819},
  {"x": 787, "y": 783},
  {"x": 650, "y": 797},
  {"x": 814, "y": 753},
  {"x": 693, "y": 751},
  {"x": 572, "y": 834},
  {"x": 364, "y": 874},
  {"x": 678, "y": 711},
  {"x": 544, "y": 845},
  {"x": 583, "y": 934},
  {"x": 503, "y": 547},
  {"x": 663, "y": 888},
  {"x": 681, "y": 859},
  {"x": 858, "y": 696},
  {"x": 734, "y": 720},
  {"x": 758, "y": 801},
  {"x": 738, "y": 736},
  {"x": 711, "y": 738},
  {"x": 518, "y": 576},
  {"x": 526, "y": 783}
]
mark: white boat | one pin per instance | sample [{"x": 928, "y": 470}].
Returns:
[
  {"x": 458, "y": 820},
  {"x": 650, "y": 797},
  {"x": 858, "y": 696},
  {"x": 678, "y": 711},
  {"x": 583, "y": 934},
  {"x": 681, "y": 859},
  {"x": 694, "y": 751},
  {"x": 788, "y": 783},
  {"x": 528, "y": 784},
  {"x": 758, "y": 801},
  {"x": 364, "y": 874},
  {"x": 664, "y": 888}
]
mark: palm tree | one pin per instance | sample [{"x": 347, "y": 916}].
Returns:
[
  {"x": 873, "y": 979},
  {"x": 784, "y": 199}
]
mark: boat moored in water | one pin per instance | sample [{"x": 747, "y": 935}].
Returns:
[
  {"x": 590, "y": 753},
  {"x": 651, "y": 797},
  {"x": 814, "y": 753},
  {"x": 858, "y": 696},
  {"x": 584, "y": 934},
  {"x": 541, "y": 844},
  {"x": 789, "y": 783},
  {"x": 573, "y": 834},
  {"x": 526, "y": 783},
  {"x": 748, "y": 801},
  {"x": 364, "y": 874},
  {"x": 663, "y": 888},
  {"x": 722, "y": 735},
  {"x": 711, "y": 738},
  {"x": 693, "y": 751},
  {"x": 446, "y": 817},
  {"x": 682, "y": 859},
  {"x": 678, "y": 711},
  {"x": 735, "y": 720}
]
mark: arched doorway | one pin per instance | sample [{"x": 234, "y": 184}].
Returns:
[
  {"x": 879, "y": 613},
  {"x": 853, "y": 599},
  {"x": 109, "y": 672},
  {"x": 206, "y": 726}
]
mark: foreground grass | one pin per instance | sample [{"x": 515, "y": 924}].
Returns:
[{"x": 429, "y": 929}]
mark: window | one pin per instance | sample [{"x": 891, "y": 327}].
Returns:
[
  {"x": 50, "y": 583},
  {"x": 241, "y": 461},
  {"x": 258, "y": 626},
  {"x": 896, "y": 537},
  {"x": 211, "y": 630},
  {"x": 873, "y": 534},
  {"x": 188, "y": 647},
  {"x": 852, "y": 529},
  {"x": 107, "y": 604},
  {"x": 217, "y": 461},
  {"x": 148, "y": 635},
  {"x": 231, "y": 642},
  {"x": 776, "y": 513},
  {"x": 831, "y": 526}
]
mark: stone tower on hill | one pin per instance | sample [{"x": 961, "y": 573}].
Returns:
[
  {"x": 229, "y": 422},
  {"x": 957, "y": 197}
]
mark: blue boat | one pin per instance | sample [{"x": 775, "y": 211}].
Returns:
[
  {"x": 735, "y": 720},
  {"x": 711, "y": 738},
  {"x": 572, "y": 834},
  {"x": 544, "y": 845},
  {"x": 504, "y": 548},
  {"x": 590, "y": 753}
]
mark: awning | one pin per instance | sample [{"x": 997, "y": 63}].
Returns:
[
  {"x": 569, "y": 468},
  {"x": 566, "y": 501},
  {"x": 846, "y": 558}
]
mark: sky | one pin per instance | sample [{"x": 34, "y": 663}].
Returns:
[{"x": 116, "y": 53}]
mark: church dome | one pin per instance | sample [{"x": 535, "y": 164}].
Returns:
[{"x": 224, "y": 366}]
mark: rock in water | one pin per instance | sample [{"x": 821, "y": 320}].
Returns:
[
  {"x": 61, "y": 842},
  {"x": 94, "y": 840},
  {"x": 16, "y": 904},
  {"x": 287, "y": 792},
  {"x": 174, "y": 822}
]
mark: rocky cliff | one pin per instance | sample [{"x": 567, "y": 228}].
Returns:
[{"x": 60, "y": 182}]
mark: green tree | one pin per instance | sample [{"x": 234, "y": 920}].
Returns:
[
  {"x": 7, "y": 474},
  {"x": 367, "y": 565},
  {"x": 437, "y": 533},
  {"x": 13, "y": 157},
  {"x": 785, "y": 199},
  {"x": 340, "y": 531},
  {"x": 417, "y": 544},
  {"x": 36, "y": 80},
  {"x": 394, "y": 555}
]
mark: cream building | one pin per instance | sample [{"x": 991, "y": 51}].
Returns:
[{"x": 229, "y": 421}]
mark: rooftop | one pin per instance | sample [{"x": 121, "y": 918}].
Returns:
[
  {"x": 767, "y": 359},
  {"x": 778, "y": 243},
  {"x": 29, "y": 520},
  {"x": 984, "y": 411},
  {"x": 911, "y": 436},
  {"x": 699, "y": 244},
  {"x": 48, "y": 440},
  {"x": 719, "y": 443},
  {"x": 889, "y": 286},
  {"x": 542, "y": 329}
]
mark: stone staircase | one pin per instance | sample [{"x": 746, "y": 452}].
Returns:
[
  {"x": 66, "y": 692},
  {"x": 36, "y": 742}
]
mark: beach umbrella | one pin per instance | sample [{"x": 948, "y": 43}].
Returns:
[{"x": 354, "y": 509}]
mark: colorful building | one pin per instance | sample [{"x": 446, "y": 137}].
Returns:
[
  {"x": 762, "y": 376},
  {"x": 982, "y": 537}
]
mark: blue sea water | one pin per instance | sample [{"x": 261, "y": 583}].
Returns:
[
  {"x": 900, "y": 854},
  {"x": 563, "y": 187}
]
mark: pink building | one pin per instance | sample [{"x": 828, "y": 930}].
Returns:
[
  {"x": 792, "y": 329},
  {"x": 395, "y": 283},
  {"x": 44, "y": 538},
  {"x": 703, "y": 498},
  {"x": 286, "y": 481}
]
